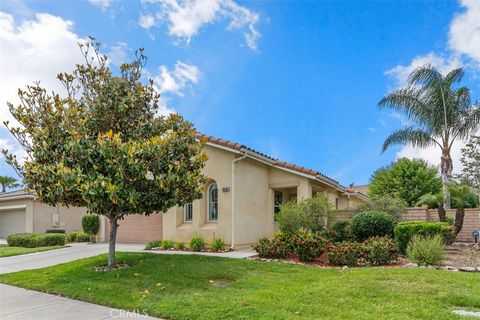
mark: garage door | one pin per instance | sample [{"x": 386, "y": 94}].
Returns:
[
  {"x": 11, "y": 221},
  {"x": 139, "y": 229}
]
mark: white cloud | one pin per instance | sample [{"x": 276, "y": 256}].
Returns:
[
  {"x": 372, "y": 129},
  {"x": 464, "y": 35},
  {"x": 186, "y": 18},
  {"x": 173, "y": 82},
  {"x": 117, "y": 55},
  {"x": 103, "y": 4},
  {"x": 146, "y": 21}
]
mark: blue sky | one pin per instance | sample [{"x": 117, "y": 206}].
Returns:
[{"x": 299, "y": 80}]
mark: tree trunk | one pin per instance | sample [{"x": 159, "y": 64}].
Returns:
[
  {"x": 111, "y": 243},
  {"x": 442, "y": 214},
  {"x": 459, "y": 216},
  {"x": 446, "y": 167}
]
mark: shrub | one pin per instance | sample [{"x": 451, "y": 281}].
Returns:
[
  {"x": 72, "y": 236},
  {"x": 371, "y": 224},
  {"x": 153, "y": 244},
  {"x": 167, "y": 244},
  {"x": 308, "y": 246},
  {"x": 343, "y": 231},
  {"x": 345, "y": 254},
  {"x": 180, "y": 246},
  {"x": 197, "y": 243},
  {"x": 393, "y": 206},
  {"x": 217, "y": 244},
  {"x": 55, "y": 231},
  {"x": 34, "y": 240},
  {"x": 404, "y": 231},
  {"x": 379, "y": 250},
  {"x": 428, "y": 250},
  {"x": 329, "y": 235},
  {"x": 91, "y": 224},
  {"x": 310, "y": 214},
  {"x": 82, "y": 237},
  {"x": 273, "y": 249}
]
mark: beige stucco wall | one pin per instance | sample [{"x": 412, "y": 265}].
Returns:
[
  {"x": 255, "y": 183},
  {"x": 69, "y": 219}
]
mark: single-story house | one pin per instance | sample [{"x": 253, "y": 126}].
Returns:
[
  {"x": 244, "y": 191},
  {"x": 20, "y": 212}
]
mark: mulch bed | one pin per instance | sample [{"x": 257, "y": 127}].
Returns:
[{"x": 462, "y": 255}]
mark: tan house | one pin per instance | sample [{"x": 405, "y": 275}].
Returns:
[
  {"x": 20, "y": 212},
  {"x": 244, "y": 191}
]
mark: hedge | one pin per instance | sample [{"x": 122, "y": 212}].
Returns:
[
  {"x": 371, "y": 224},
  {"x": 34, "y": 240},
  {"x": 404, "y": 231},
  {"x": 55, "y": 231}
]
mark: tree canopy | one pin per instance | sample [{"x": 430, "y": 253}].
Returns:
[
  {"x": 407, "y": 180},
  {"x": 471, "y": 163},
  {"x": 103, "y": 146}
]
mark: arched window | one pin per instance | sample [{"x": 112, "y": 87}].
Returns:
[{"x": 213, "y": 202}]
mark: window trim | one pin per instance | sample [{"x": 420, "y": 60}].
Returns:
[
  {"x": 275, "y": 205},
  {"x": 208, "y": 202},
  {"x": 190, "y": 204}
]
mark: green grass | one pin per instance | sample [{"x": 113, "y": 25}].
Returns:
[
  {"x": 179, "y": 287},
  {"x": 6, "y": 251}
]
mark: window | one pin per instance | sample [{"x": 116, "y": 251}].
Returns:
[
  {"x": 188, "y": 212},
  {"x": 277, "y": 202},
  {"x": 293, "y": 198},
  {"x": 213, "y": 202},
  {"x": 336, "y": 203}
]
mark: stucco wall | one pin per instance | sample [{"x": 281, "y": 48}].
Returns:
[{"x": 70, "y": 219}]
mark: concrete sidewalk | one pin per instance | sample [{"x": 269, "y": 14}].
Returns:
[
  {"x": 83, "y": 250},
  {"x": 21, "y": 304}
]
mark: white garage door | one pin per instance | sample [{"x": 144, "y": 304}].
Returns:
[{"x": 11, "y": 222}]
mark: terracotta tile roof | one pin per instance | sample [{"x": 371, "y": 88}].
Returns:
[{"x": 276, "y": 162}]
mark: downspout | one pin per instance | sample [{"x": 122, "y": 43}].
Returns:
[{"x": 245, "y": 155}]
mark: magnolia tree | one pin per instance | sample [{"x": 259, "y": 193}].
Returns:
[{"x": 102, "y": 146}]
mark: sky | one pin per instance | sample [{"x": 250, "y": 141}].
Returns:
[{"x": 298, "y": 80}]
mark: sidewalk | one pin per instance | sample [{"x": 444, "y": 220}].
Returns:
[{"x": 21, "y": 304}]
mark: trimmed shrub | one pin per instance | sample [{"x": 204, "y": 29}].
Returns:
[
  {"x": 404, "y": 231},
  {"x": 167, "y": 244},
  {"x": 82, "y": 237},
  {"x": 72, "y": 236},
  {"x": 217, "y": 244},
  {"x": 379, "y": 251},
  {"x": 197, "y": 243},
  {"x": 34, "y": 240},
  {"x": 153, "y": 244},
  {"x": 90, "y": 225},
  {"x": 345, "y": 254},
  {"x": 329, "y": 235},
  {"x": 291, "y": 217},
  {"x": 55, "y": 231},
  {"x": 370, "y": 224},
  {"x": 343, "y": 231},
  {"x": 180, "y": 246},
  {"x": 426, "y": 250},
  {"x": 272, "y": 249},
  {"x": 308, "y": 246}
]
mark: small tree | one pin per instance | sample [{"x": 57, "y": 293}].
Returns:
[
  {"x": 471, "y": 163},
  {"x": 393, "y": 206},
  {"x": 8, "y": 183},
  {"x": 406, "y": 180},
  {"x": 91, "y": 225},
  {"x": 102, "y": 146}
]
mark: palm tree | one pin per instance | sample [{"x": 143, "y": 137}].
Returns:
[
  {"x": 440, "y": 112},
  {"x": 8, "y": 182}
]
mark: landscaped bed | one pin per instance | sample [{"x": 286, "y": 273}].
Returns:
[
  {"x": 200, "y": 287},
  {"x": 6, "y": 251}
]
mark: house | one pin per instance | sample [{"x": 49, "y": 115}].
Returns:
[
  {"x": 20, "y": 212},
  {"x": 244, "y": 191}
]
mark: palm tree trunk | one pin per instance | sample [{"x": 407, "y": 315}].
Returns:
[
  {"x": 442, "y": 214},
  {"x": 459, "y": 216},
  {"x": 446, "y": 167},
  {"x": 111, "y": 243}
]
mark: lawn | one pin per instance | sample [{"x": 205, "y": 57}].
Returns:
[
  {"x": 6, "y": 251},
  {"x": 180, "y": 287}
]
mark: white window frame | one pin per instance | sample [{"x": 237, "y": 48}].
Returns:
[
  {"x": 185, "y": 210},
  {"x": 208, "y": 202}
]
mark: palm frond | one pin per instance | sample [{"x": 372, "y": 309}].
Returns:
[
  {"x": 454, "y": 76},
  {"x": 410, "y": 135},
  {"x": 425, "y": 75}
]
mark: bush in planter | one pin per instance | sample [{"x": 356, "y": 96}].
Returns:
[
  {"x": 180, "y": 246},
  {"x": 91, "y": 225},
  {"x": 345, "y": 254},
  {"x": 82, "y": 237},
  {"x": 308, "y": 246},
  {"x": 404, "y": 231},
  {"x": 217, "y": 245},
  {"x": 197, "y": 243},
  {"x": 426, "y": 250},
  {"x": 72, "y": 236},
  {"x": 34, "y": 240},
  {"x": 343, "y": 231},
  {"x": 371, "y": 224},
  {"x": 55, "y": 231},
  {"x": 379, "y": 251},
  {"x": 273, "y": 249},
  {"x": 167, "y": 244},
  {"x": 153, "y": 244}
]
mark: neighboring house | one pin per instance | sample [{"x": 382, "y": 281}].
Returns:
[
  {"x": 20, "y": 212},
  {"x": 244, "y": 191}
]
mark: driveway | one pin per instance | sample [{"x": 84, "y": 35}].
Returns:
[
  {"x": 21, "y": 304},
  {"x": 84, "y": 250}
]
